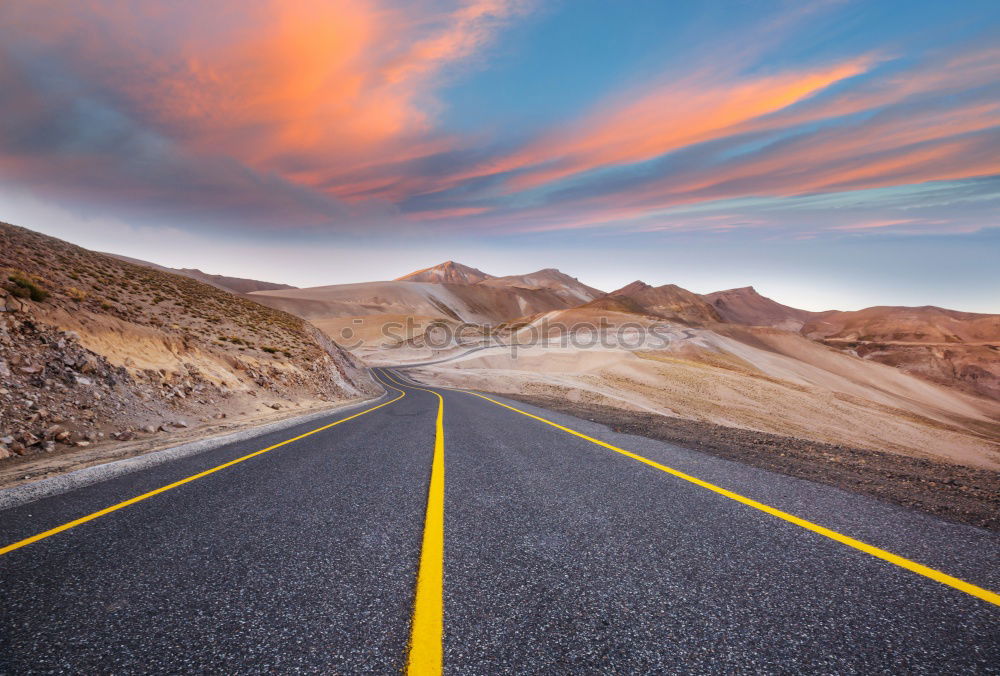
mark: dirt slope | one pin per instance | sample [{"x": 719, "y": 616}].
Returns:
[
  {"x": 668, "y": 302},
  {"x": 755, "y": 378},
  {"x": 232, "y": 284},
  {"x": 746, "y": 306},
  {"x": 959, "y": 349},
  {"x": 94, "y": 348},
  {"x": 373, "y": 303},
  {"x": 572, "y": 290},
  {"x": 927, "y": 324}
]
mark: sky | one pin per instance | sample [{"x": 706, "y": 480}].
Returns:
[{"x": 833, "y": 154}]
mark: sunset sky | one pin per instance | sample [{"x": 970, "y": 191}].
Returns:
[{"x": 832, "y": 154}]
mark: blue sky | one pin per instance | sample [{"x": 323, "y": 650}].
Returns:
[{"x": 832, "y": 154}]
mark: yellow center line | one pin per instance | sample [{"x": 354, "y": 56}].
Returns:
[
  {"x": 427, "y": 628},
  {"x": 920, "y": 569},
  {"x": 162, "y": 489}
]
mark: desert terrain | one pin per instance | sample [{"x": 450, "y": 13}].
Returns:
[
  {"x": 731, "y": 358},
  {"x": 120, "y": 350},
  {"x": 96, "y": 353}
]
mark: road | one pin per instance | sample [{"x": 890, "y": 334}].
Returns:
[{"x": 492, "y": 537}]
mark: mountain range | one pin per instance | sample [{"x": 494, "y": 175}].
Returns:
[
  {"x": 159, "y": 342},
  {"x": 958, "y": 349}
]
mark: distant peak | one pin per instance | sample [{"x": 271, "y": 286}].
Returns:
[
  {"x": 634, "y": 287},
  {"x": 448, "y": 272},
  {"x": 545, "y": 272}
]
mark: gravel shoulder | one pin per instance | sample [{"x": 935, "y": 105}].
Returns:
[
  {"x": 21, "y": 470},
  {"x": 953, "y": 492}
]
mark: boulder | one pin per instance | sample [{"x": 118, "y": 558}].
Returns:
[
  {"x": 89, "y": 364},
  {"x": 56, "y": 433}
]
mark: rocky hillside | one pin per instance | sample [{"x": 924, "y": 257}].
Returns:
[{"x": 95, "y": 349}]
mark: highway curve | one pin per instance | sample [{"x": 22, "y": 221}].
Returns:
[{"x": 545, "y": 544}]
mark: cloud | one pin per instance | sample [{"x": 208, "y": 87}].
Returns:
[
  {"x": 637, "y": 127},
  {"x": 324, "y": 114},
  {"x": 889, "y": 132},
  {"x": 277, "y": 96}
]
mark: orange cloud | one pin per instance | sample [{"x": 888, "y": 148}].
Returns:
[
  {"x": 676, "y": 116},
  {"x": 670, "y": 117},
  {"x": 307, "y": 89},
  {"x": 638, "y": 127}
]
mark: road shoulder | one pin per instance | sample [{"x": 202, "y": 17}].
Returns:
[{"x": 72, "y": 472}]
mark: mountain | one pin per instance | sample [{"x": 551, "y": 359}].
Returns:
[
  {"x": 668, "y": 301},
  {"x": 376, "y": 311},
  {"x": 959, "y": 349},
  {"x": 94, "y": 347},
  {"x": 231, "y": 284},
  {"x": 448, "y": 272},
  {"x": 948, "y": 347},
  {"x": 746, "y": 306},
  {"x": 234, "y": 284},
  {"x": 569, "y": 288},
  {"x": 449, "y": 292},
  {"x": 927, "y": 324}
]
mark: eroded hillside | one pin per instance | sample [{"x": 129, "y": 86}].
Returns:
[{"x": 95, "y": 349}]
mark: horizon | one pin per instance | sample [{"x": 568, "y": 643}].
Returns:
[
  {"x": 841, "y": 155},
  {"x": 571, "y": 273}
]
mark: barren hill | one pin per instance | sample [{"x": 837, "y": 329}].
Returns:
[
  {"x": 349, "y": 311},
  {"x": 448, "y": 272},
  {"x": 754, "y": 378},
  {"x": 961, "y": 349},
  {"x": 668, "y": 301},
  {"x": 236, "y": 284},
  {"x": 746, "y": 306},
  {"x": 232, "y": 284},
  {"x": 94, "y": 348},
  {"x": 927, "y": 324},
  {"x": 569, "y": 288}
]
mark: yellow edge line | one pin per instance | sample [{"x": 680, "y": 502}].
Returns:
[
  {"x": 920, "y": 569},
  {"x": 162, "y": 489},
  {"x": 427, "y": 628}
]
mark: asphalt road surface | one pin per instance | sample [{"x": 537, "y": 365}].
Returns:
[{"x": 535, "y": 550}]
